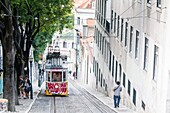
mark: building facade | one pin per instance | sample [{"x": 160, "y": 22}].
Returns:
[
  {"x": 131, "y": 46},
  {"x": 84, "y": 12},
  {"x": 86, "y": 55},
  {"x": 65, "y": 44}
]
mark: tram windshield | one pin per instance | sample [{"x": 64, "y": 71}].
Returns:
[{"x": 56, "y": 76}]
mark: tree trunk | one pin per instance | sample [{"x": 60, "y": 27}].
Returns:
[
  {"x": 8, "y": 58},
  {"x": 16, "y": 88}
]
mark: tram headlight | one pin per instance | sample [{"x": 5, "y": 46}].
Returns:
[{"x": 56, "y": 86}]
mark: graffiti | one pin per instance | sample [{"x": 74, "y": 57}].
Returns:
[{"x": 57, "y": 88}]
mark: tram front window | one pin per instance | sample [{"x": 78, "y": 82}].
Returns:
[
  {"x": 48, "y": 76},
  {"x": 64, "y": 76},
  {"x": 56, "y": 77}
]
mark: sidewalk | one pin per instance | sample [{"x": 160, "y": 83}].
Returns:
[
  {"x": 105, "y": 99},
  {"x": 25, "y": 104}
]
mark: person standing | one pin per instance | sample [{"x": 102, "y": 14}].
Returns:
[
  {"x": 21, "y": 87},
  {"x": 27, "y": 85},
  {"x": 117, "y": 89}
]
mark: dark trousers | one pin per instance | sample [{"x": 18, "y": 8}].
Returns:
[{"x": 116, "y": 101}]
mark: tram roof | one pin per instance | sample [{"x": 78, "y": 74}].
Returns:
[
  {"x": 53, "y": 55},
  {"x": 56, "y": 69}
]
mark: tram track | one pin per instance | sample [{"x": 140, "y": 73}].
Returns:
[
  {"x": 80, "y": 97},
  {"x": 96, "y": 102},
  {"x": 93, "y": 104},
  {"x": 53, "y": 105}
]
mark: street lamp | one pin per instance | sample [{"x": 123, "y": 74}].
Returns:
[{"x": 31, "y": 60}]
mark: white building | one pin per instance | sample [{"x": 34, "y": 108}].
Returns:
[
  {"x": 86, "y": 56},
  {"x": 84, "y": 11},
  {"x": 65, "y": 43},
  {"x": 132, "y": 46}
]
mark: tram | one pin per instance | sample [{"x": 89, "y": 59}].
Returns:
[{"x": 56, "y": 75}]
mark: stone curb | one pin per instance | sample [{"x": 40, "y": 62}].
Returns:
[{"x": 30, "y": 106}]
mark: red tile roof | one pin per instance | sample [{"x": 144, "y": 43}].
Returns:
[{"x": 84, "y": 3}]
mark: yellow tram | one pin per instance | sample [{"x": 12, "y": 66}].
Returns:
[{"x": 56, "y": 75}]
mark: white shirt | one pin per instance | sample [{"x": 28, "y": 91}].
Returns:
[{"x": 117, "y": 89}]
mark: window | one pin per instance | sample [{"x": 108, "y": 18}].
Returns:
[
  {"x": 97, "y": 70},
  {"x": 64, "y": 44},
  {"x": 107, "y": 52},
  {"x": 126, "y": 31},
  {"x": 116, "y": 72},
  {"x": 101, "y": 80},
  {"x": 97, "y": 38},
  {"x": 124, "y": 79},
  {"x": 131, "y": 39},
  {"x": 121, "y": 37},
  {"x": 78, "y": 20},
  {"x": 99, "y": 75},
  {"x": 112, "y": 20},
  {"x": 159, "y": 3},
  {"x": 93, "y": 5},
  {"x": 113, "y": 65},
  {"x": 137, "y": 44},
  {"x": 110, "y": 60},
  {"x": 93, "y": 63},
  {"x": 149, "y": 1},
  {"x": 146, "y": 52},
  {"x": 115, "y": 23},
  {"x": 129, "y": 85},
  {"x": 72, "y": 45},
  {"x": 56, "y": 45},
  {"x": 120, "y": 72},
  {"x": 155, "y": 63},
  {"x": 95, "y": 33},
  {"x": 134, "y": 96},
  {"x": 105, "y": 48},
  {"x": 102, "y": 44},
  {"x": 56, "y": 76},
  {"x": 118, "y": 19}
]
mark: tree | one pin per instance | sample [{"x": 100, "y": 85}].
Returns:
[
  {"x": 22, "y": 22},
  {"x": 8, "y": 55}
]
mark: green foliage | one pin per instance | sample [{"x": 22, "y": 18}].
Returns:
[
  {"x": 40, "y": 43},
  {"x": 48, "y": 15}
]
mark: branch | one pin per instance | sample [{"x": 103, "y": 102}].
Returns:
[{"x": 38, "y": 27}]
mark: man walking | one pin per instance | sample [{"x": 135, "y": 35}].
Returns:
[{"x": 117, "y": 89}]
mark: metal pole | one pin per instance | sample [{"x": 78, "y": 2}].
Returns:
[
  {"x": 31, "y": 96},
  {"x": 39, "y": 84},
  {"x": 77, "y": 42},
  {"x": 76, "y": 63}
]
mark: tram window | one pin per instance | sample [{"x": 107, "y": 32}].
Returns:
[
  {"x": 48, "y": 76},
  {"x": 56, "y": 77},
  {"x": 64, "y": 76}
]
